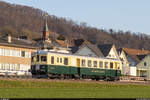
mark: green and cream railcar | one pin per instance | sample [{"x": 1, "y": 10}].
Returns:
[{"x": 54, "y": 64}]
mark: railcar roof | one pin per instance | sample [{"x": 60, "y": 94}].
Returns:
[{"x": 68, "y": 54}]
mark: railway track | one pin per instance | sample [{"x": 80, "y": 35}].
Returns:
[{"x": 30, "y": 78}]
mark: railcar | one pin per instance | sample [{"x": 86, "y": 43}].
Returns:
[{"x": 60, "y": 65}]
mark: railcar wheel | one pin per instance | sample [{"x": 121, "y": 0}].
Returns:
[{"x": 107, "y": 79}]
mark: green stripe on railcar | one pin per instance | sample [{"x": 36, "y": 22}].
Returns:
[
  {"x": 56, "y": 69},
  {"x": 110, "y": 72},
  {"x": 119, "y": 73},
  {"x": 99, "y": 72},
  {"x": 92, "y": 71}
]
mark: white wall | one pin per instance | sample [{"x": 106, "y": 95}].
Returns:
[{"x": 133, "y": 71}]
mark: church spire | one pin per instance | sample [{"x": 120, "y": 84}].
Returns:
[{"x": 45, "y": 30}]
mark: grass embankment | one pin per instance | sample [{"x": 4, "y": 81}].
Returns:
[{"x": 61, "y": 89}]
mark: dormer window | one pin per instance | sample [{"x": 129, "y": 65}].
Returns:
[{"x": 145, "y": 64}]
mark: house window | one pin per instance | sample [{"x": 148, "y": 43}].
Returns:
[
  {"x": 43, "y": 58},
  {"x": 7, "y": 66},
  {"x": 65, "y": 61},
  {"x": 111, "y": 65},
  {"x": 11, "y": 66},
  {"x": 0, "y": 51},
  {"x": 83, "y": 63},
  {"x": 145, "y": 64},
  {"x": 22, "y": 53},
  {"x": 26, "y": 54},
  {"x": 52, "y": 59},
  {"x": 95, "y": 63},
  {"x": 106, "y": 64},
  {"x": 89, "y": 63},
  {"x": 0, "y": 66},
  {"x": 18, "y": 67},
  {"x": 101, "y": 64}
]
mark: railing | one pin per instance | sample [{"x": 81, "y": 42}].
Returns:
[{"x": 134, "y": 78}]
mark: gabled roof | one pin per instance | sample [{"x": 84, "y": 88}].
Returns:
[
  {"x": 140, "y": 57},
  {"x": 135, "y": 51},
  {"x": 136, "y": 54},
  {"x": 16, "y": 42},
  {"x": 63, "y": 43},
  {"x": 90, "y": 46},
  {"x": 143, "y": 59},
  {"x": 105, "y": 48}
]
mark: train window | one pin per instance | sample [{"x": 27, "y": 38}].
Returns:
[
  {"x": 57, "y": 60},
  {"x": 95, "y": 63},
  {"x": 111, "y": 65},
  {"x": 101, "y": 64},
  {"x": 43, "y": 58},
  {"x": 60, "y": 60},
  {"x": 106, "y": 64},
  {"x": 52, "y": 59},
  {"x": 83, "y": 63},
  {"x": 89, "y": 63},
  {"x": 65, "y": 61},
  {"x": 37, "y": 58}
]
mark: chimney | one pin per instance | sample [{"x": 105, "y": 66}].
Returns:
[{"x": 9, "y": 38}]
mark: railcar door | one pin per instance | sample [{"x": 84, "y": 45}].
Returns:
[
  {"x": 78, "y": 62},
  {"x": 116, "y": 64},
  {"x": 78, "y": 65}
]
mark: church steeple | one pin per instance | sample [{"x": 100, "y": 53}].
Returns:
[{"x": 45, "y": 30}]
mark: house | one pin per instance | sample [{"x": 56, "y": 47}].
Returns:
[
  {"x": 109, "y": 51},
  {"x": 125, "y": 63},
  {"x": 134, "y": 56},
  {"x": 15, "y": 55},
  {"x": 143, "y": 67},
  {"x": 87, "y": 49}
]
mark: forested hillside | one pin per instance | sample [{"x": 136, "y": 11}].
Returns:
[{"x": 22, "y": 20}]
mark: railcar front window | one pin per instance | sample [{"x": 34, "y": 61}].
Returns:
[
  {"x": 52, "y": 59},
  {"x": 37, "y": 58},
  {"x": 43, "y": 58},
  {"x": 89, "y": 63},
  {"x": 95, "y": 63},
  {"x": 65, "y": 61},
  {"x": 106, "y": 64},
  {"x": 32, "y": 59},
  {"x": 83, "y": 63}
]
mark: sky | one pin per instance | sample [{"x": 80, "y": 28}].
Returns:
[{"x": 132, "y": 15}]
